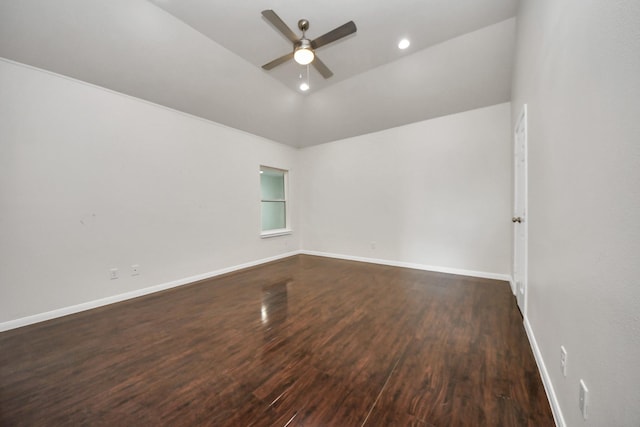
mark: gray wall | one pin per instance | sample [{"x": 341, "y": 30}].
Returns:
[
  {"x": 435, "y": 193},
  {"x": 578, "y": 70},
  {"x": 91, "y": 179}
]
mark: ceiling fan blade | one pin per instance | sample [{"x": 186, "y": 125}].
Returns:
[
  {"x": 322, "y": 69},
  {"x": 272, "y": 17},
  {"x": 276, "y": 62},
  {"x": 335, "y": 34}
]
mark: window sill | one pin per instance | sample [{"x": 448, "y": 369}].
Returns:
[{"x": 276, "y": 233}]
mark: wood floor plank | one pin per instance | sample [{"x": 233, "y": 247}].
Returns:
[{"x": 303, "y": 341}]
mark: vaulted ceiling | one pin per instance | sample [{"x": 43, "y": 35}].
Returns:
[{"x": 203, "y": 57}]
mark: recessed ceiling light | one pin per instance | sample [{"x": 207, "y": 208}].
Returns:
[
  {"x": 404, "y": 43},
  {"x": 304, "y": 86}
]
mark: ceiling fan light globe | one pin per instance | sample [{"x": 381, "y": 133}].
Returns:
[{"x": 303, "y": 56}]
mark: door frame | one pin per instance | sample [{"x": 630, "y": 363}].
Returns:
[{"x": 522, "y": 121}]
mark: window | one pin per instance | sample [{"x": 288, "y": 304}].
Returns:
[{"x": 273, "y": 190}]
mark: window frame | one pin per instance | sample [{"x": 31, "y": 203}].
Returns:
[{"x": 287, "y": 202}]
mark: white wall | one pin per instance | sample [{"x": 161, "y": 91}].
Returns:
[
  {"x": 91, "y": 179},
  {"x": 435, "y": 193},
  {"x": 578, "y": 70}
]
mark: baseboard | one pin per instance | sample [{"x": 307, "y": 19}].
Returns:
[
  {"x": 512, "y": 283},
  {"x": 544, "y": 374},
  {"x": 65, "y": 311},
  {"x": 448, "y": 270}
]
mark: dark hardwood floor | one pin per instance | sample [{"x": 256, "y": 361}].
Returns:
[{"x": 305, "y": 341}]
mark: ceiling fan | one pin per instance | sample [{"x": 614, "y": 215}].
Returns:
[{"x": 303, "y": 48}]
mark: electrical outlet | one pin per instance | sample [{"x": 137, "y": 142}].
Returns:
[
  {"x": 113, "y": 274},
  {"x": 135, "y": 270},
  {"x": 584, "y": 399},
  {"x": 563, "y": 360}
]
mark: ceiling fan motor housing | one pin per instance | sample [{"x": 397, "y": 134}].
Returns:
[{"x": 302, "y": 44}]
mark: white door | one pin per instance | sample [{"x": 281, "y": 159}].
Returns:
[{"x": 519, "y": 218}]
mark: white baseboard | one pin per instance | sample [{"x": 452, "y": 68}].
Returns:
[
  {"x": 544, "y": 374},
  {"x": 41, "y": 317},
  {"x": 448, "y": 270},
  {"x": 546, "y": 380}
]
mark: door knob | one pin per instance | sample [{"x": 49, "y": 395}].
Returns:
[{"x": 516, "y": 219}]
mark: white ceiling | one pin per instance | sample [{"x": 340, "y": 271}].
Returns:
[{"x": 203, "y": 57}]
